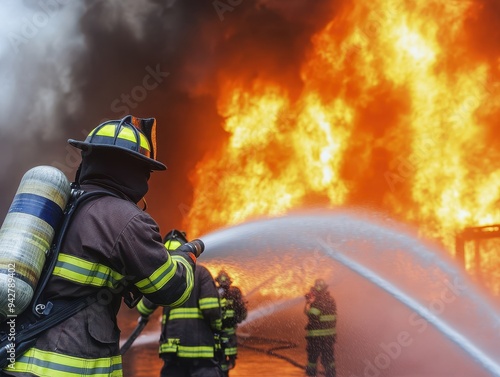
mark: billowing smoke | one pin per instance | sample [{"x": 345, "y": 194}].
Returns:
[
  {"x": 67, "y": 66},
  {"x": 37, "y": 88}
]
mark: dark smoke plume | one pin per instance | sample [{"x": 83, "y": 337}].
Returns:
[{"x": 67, "y": 66}]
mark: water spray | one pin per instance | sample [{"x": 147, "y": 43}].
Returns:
[{"x": 451, "y": 333}]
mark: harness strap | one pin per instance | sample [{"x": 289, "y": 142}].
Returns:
[
  {"x": 78, "y": 196},
  {"x": 29, "y": 331}
]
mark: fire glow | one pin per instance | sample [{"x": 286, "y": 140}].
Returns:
[{"x": 390, "y": 99}]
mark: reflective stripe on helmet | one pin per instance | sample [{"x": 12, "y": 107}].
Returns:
[
  {"x": 126, "y": 137},
  {"x": 134, "y": 136},
  {"x": 172, "y": 244}
]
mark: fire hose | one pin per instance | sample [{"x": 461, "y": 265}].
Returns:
[
  {"x": 279, "y": 345},
  {"x": 196, "y": 247},
  {"x": 142, "y": 322}
]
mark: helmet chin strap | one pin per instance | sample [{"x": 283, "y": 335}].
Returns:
[
  {"x": 77, "y": 174},
  {"x": 145, "y": 204}
]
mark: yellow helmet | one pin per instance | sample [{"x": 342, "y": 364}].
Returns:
[
  {"x": 174, "y": 239},
  {"x": 320, "y": 285},
  {"x": 134, "y": 136},
  {"x": 223, "y": 278}
]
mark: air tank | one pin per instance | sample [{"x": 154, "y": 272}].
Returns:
[{"x": 27, "y": 233}]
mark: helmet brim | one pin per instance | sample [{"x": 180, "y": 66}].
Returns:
[{"x": 154, "y": 165}]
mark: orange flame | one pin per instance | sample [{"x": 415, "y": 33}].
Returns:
[{"x": 410, "y": 58}]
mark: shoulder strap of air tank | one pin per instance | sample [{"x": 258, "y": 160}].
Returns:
[{"x": 78, "y": 196}]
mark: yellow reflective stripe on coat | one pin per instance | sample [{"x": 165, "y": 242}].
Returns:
[
  {"x": 183, "y": 313},
  {"x": 226, "y": 302},
  {"x": 230, "y": 351},
  {"x": 327, "y": 318},
  {"x": 322, "y": 332},
  {"x": 169, "y": 346},
  {"x": 45, "y": 363},
  {"x": 189, "y": 280},
  {"x": 172, "y": 245},
  {"x": 143, "y": 309},
  {"x": 217, "y": 324},
  {"x": 208, "y": 303},
  {"x": 186, "y": 351},
  {"x": 158, "y": 278},
  {"x": 195, "y": 351},
  {"x": 125, "y": 134},
  {"x": 84, "y": 272},
  {"x": 314, "y": 311},
  {"x": 229, "y": 313}
]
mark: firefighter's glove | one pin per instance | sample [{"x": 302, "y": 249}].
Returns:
[
  {"x": 310, "y": 297},
  {"x": 195, "y": 247}
]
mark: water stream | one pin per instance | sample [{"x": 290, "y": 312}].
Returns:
[
  {"x": 405, "y": 308},
  {"x": 413, "y": 309}
]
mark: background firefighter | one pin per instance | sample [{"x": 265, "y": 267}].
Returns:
[
  {"x": 234, "y": 311},
  {"x": 321, "y": 311},
  {"x": 111, "y": 249},
  {"x": 187, "y": 344}
]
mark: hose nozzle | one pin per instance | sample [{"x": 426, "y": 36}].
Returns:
[{"x": 195, "y": 246}]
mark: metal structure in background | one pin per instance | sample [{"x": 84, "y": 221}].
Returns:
[{"x": 474, "y": 234}]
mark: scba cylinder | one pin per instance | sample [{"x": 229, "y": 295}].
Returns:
[{"x": 27, "y": 233}]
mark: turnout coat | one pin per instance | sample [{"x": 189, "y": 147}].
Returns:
[
  {"x": 188, "y": 331},
  {"x": 111, "y": 247}
]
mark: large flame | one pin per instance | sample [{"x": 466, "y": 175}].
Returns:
[{"x": 387, "y": 75}]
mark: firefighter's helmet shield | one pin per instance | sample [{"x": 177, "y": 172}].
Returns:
[{"x": 131, "y": 135}]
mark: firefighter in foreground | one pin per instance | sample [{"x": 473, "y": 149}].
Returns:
[
  {"x": 321, "y": 311},
  {"x": 112, "y": 249},
  {"x": 234, "y": 311},
  {"x": 187, "y": 344}
]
